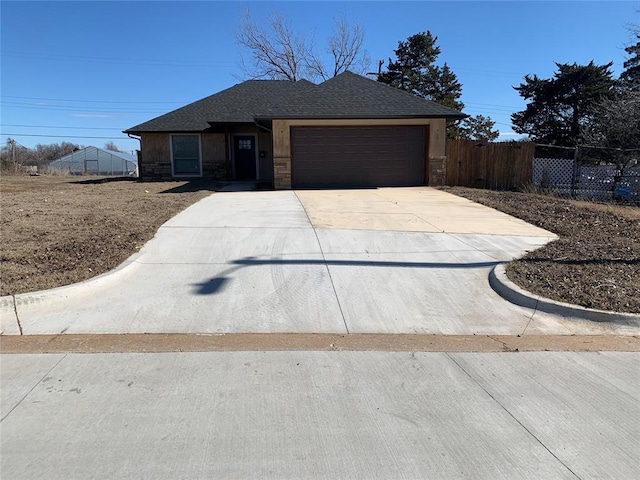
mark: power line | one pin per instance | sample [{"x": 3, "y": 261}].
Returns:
[
  {"x": 84, "y": 101},
  {"x": 120, "y": 60},
  {"x": 491, "y": 105},
  {"x": 489, "y": 73},
  {"x": 59, "y": 136},
  {"x": 53, "y": 126},
  {"x": 18, "y": 144},
  {"x": 489, "y": 108},
  {"x": 71, "y": 108}
]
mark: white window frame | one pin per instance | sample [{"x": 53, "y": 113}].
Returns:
[{"x": 173, "y": 169}]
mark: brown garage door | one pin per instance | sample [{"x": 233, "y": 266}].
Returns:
[{"x": 358, "y": 156}]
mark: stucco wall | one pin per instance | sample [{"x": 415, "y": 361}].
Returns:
[{"x": 436, "y": 143}]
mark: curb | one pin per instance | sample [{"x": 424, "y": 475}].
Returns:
[
  {"x": 516, "y": 295},
  {"x": 13, "y": 301}
]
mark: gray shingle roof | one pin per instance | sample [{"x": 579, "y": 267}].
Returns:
[{"x": 346, "y": 96}]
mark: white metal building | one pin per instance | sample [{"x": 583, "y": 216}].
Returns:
[{"x": 96, "y": 161}]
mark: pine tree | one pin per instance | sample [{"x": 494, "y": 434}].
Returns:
[
  {"x": 415, "y": 71},
  {"x": 630, "y": 78},
  {"x": 560, "y": 106},
  {"x": 478, "y": 128}
]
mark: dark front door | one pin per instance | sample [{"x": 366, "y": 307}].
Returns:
[{"x": 244, "y": 155}]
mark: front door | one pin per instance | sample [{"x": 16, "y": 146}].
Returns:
[{"x": 244, "y": 155}]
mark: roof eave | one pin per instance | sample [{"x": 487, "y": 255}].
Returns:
[
  {"x": 166, "y": 130},
  {"x": 357, "y": 117}
]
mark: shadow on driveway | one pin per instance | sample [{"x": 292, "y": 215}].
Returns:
[{"x": 216, "y": 284}]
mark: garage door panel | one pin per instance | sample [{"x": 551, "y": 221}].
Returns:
[{"x": 358, "y": 156}]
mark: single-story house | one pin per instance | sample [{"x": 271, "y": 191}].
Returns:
[{"x": 348, "y": 131}]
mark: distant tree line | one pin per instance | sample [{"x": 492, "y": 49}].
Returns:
[{"x": 13, "y": 154}]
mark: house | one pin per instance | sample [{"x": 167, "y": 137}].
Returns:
[
  {"x": 348, "y": 131},
  {"x": 96, "y": 161}
]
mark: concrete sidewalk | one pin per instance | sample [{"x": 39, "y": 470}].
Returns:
[
  {"x": 300, "y": 262},
  {"x": 320, "y": 415}
]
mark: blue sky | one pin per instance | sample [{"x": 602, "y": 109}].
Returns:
[{"x": 92, "y": 69}]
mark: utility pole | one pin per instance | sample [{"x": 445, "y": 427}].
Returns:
[
  {"x": 12, "y": 143},
  {"x": 380, "y": 63}
]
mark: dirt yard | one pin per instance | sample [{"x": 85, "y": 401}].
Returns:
[
  {"x": 57, "y": 230},
  {"x": 595, "y": 262}
]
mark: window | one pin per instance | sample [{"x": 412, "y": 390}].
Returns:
[
  {"x": 244, "y": 144},
  {"x": 185, "y": 150}
]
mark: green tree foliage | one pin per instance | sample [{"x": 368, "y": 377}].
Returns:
[
  {"x": 630, "y": 78},
  {"x": 415, "y": 71},
  {"x": 560, "y": 106},
  {"x": 478, "y": 128}
]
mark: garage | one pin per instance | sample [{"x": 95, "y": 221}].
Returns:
[{"x": 362, "y": 156}]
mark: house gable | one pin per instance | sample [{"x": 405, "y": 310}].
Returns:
[{"x": 269, "y": 109}]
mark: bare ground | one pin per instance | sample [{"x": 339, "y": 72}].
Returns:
[
  {"x": 58, "y": 230},
  {"x": 595, "y": 262}
]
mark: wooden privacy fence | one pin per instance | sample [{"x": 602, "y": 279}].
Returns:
[{"x": 496, "y": 166}]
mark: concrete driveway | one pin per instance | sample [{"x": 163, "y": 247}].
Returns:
[
  {"x": 386, "y": 260},
  {"x": 389, "y": 260}
]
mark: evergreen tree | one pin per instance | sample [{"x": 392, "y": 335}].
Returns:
[
  {"x": 560, "y": 106},
  {"x": 415, "y": 71},
  {"x": 478, "y": 128},
  {"x": 630, "y": 78}
]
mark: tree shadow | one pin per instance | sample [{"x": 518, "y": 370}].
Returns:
[
  {"x": 97, "y": 181},
  {"x": 216, "y": 285},
  {"x": 212, "y": 286}
]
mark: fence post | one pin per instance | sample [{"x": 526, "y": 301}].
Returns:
[{"x": 575, "y": 173}]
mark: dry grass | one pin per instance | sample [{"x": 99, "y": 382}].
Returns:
[
  {"x": 57, "y": 230},
  {"x": 595, "y": 262}
]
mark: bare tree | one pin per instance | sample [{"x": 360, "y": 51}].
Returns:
[
  {"x": 112, "y": 147},
  {"x": 278, "y": 52},
  {"x": 346, "y": 49},
  {"x": 615, "y": 123},
  {"x": 40, "y": 155},
  {"x": 614, "y": 129}
]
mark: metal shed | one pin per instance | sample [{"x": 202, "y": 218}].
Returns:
[{"x": 96, "y": 161}]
